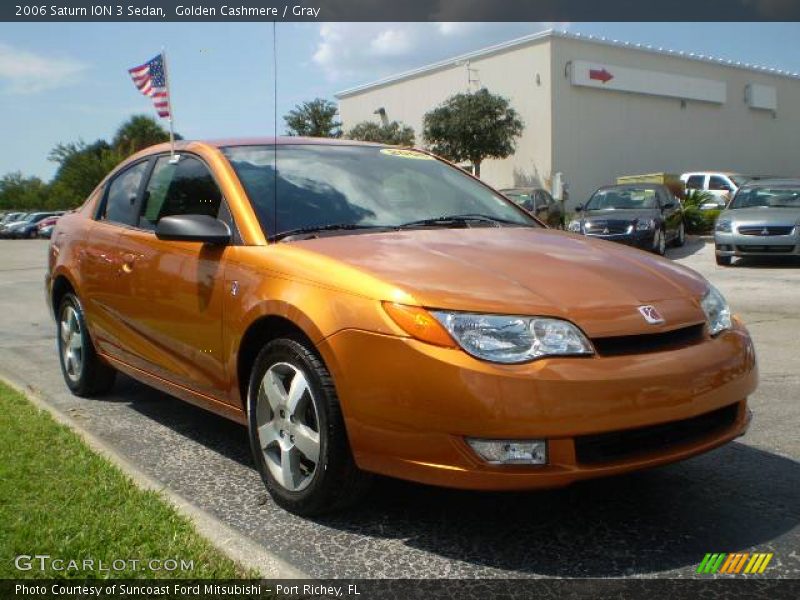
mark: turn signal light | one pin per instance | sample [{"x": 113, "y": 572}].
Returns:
[{"x": 419, "y": 323}]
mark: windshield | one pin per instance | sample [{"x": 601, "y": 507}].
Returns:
[
  {"x": 365, "y": 187},
  {"x": 524, "y": 199},
  {"x": 620, "y": 199},
  {"x": 767, "y": 197}
]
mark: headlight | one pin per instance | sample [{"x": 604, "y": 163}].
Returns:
[
  {"x": 723, "y": 226},
  {"x": 717, "y": 310},
  {"x": 574, "y": 226},
  {"x": 512, "y": 339},
  {"x": 645, "y": 225}
]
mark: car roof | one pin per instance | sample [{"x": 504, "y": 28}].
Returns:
[
  {"x": 282, "y": 141},
  {"x": 628, "y": 186},
  {"x": 782, "y": 182}
]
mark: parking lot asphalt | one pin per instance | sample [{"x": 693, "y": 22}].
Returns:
[{"x": 659, "y": 523}]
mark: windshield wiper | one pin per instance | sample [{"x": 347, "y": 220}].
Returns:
[
  {"x": 311, "y": 229},
  {"x": 462, "y": 220}
]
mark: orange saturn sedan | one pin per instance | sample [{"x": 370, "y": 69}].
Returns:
[{"x": 369, "y": 309}]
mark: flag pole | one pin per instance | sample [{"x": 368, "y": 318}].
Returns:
[{"x": 169, "y": 101}]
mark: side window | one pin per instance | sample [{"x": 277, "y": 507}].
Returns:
[
  {"x": 185, "y": 188},
  {"x": 695, "y": 182},
  {"x": 718, "y": 183},
  {"x": 548, "y": 199},
  {"x": 121, "y": 196}
]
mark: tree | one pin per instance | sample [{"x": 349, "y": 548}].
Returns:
[
  {"x": 473, "y": 127},
  {"x": 137, "y": 133},
  {"x": 23, "y": 193},
  {"x": 81, "y": 167},
  {"x": 316, "y": 118},
  {"x": 393, "y": 133}
]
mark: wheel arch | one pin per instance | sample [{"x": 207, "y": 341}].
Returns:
[
  {"x": 62, "y": 285},
  {"x": 265, "y": 328}
]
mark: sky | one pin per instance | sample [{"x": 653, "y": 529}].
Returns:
[{"x": 62, "y": 82}]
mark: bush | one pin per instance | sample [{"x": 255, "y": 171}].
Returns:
[{"x": 699, "y": 221}]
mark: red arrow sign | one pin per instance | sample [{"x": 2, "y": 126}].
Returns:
[{"x": 600, "y": 75}]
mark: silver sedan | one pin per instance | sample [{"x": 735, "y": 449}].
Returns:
[{"x": 762, "y": 219}]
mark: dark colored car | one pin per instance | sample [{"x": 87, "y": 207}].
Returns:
[
  {"x": 647, "y": 216},
  {"x": 539, "y": 203},
  {"x": 26, "y": 228}
]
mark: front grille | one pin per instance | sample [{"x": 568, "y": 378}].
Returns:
[
  {"x": 765, "y": 230},
  {"x": 649, "y": 342},
  {"x": 599, "y": 227},
  {"x": 619, "y": 445},
  {"x": 770, "y": 249}
]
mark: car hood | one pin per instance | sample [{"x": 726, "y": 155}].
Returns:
[
  {"x": 598, "y": 285},
  {"x": 763, "y": 216},
  {"x": 628, "y": 214}
]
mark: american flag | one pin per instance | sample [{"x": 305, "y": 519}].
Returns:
[{"x": 151, "y": 80}]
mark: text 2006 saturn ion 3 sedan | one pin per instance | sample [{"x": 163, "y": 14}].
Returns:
[{"x": 367, "y": 309}]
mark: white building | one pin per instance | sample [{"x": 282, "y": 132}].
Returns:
[{"x": 595, "y": 109}]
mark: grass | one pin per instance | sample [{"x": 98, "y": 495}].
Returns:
[{"x": 59, "y": 498}]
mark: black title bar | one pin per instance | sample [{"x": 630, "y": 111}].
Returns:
[{"x": 400, "y": 10}]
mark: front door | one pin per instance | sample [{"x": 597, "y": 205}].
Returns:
[{"x": 174, "y": 310}]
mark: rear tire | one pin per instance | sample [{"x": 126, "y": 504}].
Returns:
[
  {"x": 724, "y": 261},
  {"x": 84, "y": 371},
  {"x": 297, "y": 432}
]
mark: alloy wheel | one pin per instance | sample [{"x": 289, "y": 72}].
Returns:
[
  {"x": 288, "y": 426},
  {"x": 71, "y": 343}
]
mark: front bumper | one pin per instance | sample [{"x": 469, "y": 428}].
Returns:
[
  {"x": 735, "y": 244},
  {"x": 409, "y": 406},
  {"x": 640, "y": 239}
]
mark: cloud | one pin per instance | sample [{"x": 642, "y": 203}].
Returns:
[
  {"x": 23, "y": 72},
  {"x": 355, "y": 52}
]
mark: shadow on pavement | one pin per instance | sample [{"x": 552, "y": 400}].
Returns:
[
  {"x": 693, "y": 245},
  {"x": 767, "y": 262},
  {"x": 734, "y": 498}
]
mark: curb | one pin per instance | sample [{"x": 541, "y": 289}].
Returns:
[{"x": 225, "y": 539}]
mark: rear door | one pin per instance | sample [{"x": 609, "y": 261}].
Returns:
[
  {"x": 103, "y": 290},
  {"x": 174, "y": 314},
  {"x": 720, "y": 187}
]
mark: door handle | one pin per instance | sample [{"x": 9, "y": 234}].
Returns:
[{"x": 127, "y": 262}]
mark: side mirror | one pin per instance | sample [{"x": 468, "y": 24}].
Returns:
[
  {"x": 669, "y": 205},
  {"x": 193, "y": 228},
  {"x": 579, "y": 208}
]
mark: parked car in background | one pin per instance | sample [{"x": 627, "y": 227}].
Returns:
[
  {"x": 370, "y": 309},
  {"x": 720, "y": 185},
  {"x": 539, "y": 203},
  {"x": 26, "y": 228},
  {"x": 12, "y": 217},
  {"x": 763, "y": 219},
  {"x": 45, "y": 227},
  {"x": 645, "y": 215}
]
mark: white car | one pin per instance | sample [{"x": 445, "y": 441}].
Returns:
[{"x": 719, "y": 184}]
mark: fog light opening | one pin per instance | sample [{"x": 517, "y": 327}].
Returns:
[{"x": 510, "y": 452}]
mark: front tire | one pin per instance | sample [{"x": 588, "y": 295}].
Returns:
[
  {"x": 84, "y": 372},
  {"x": 659, "y": 242},
  {"x": 680, "y": 238},
  {"x": 297, "y": 433},
  {"x": 724, "y": 261}
]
